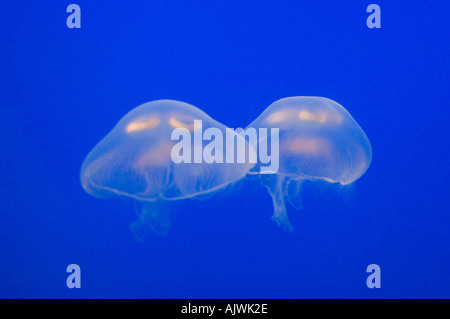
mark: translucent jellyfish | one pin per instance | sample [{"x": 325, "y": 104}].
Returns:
[
  {"x": 136, "y": 160},
  {"x": 318, "y": 140}
]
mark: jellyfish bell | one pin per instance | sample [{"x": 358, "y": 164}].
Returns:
[
  {"x": 135, "y": 160},
  {"x": 318, "y": 140}
]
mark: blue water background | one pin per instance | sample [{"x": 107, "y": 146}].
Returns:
[{"x": 62, "y": 90}]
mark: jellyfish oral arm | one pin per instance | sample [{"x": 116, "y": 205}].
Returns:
[
  {"x": 152, "y": 218},
  {"x": 276, "y": 185},
  {"x": 293, "y": 193}
]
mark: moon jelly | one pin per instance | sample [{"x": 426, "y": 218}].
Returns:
[
  {"x": 134, "y": 160},
  {"x": 318, "y": 140}
]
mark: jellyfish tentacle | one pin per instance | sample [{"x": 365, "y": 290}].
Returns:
[{"x": 276, "y": 185}]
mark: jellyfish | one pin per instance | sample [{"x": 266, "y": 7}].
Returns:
[
  {"x": 318, "y": 140},
  {"x": 161, "y": 151}
]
